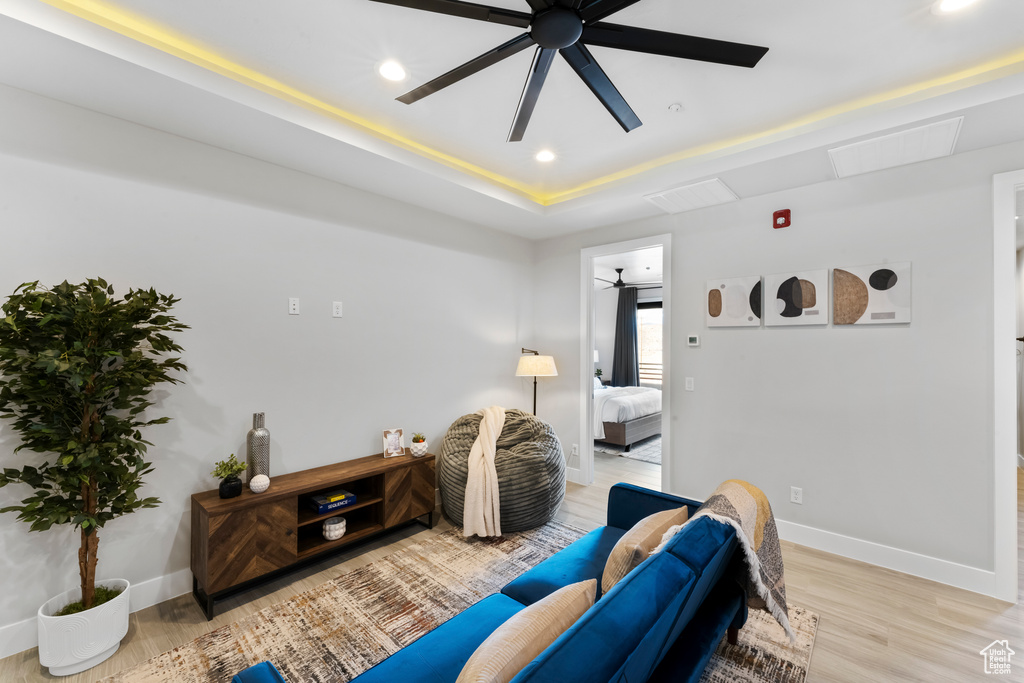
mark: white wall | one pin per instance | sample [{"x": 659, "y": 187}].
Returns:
[
  {"x": 434, "y": 314},
  {"x": 886, "y": 429},
  {"x": 606, "y": 306}
]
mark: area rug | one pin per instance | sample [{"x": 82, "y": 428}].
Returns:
[
  {"x": 339, "y": 629},
  {"x": 763, "y": 652},
  {"x": 648, "y": 450}
]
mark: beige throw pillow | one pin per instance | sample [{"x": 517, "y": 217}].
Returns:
[
  {"x": 527, "y": 633},
  {"x": 636, "y": 545}
]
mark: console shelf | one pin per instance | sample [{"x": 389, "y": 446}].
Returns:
[{"x": 237, "y": 542}]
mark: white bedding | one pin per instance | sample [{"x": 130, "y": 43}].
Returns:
[{"x": 621, "y": 404}]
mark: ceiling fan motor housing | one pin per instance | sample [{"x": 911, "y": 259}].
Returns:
[{"x": 556, "y": 27}]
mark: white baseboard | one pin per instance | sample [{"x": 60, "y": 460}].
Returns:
[
  {"x": 23, "y": 635},
  {"x": 932, "y": 568},
  {"x": 15, "y": 638},
  {"x": 574, "y": 474}
]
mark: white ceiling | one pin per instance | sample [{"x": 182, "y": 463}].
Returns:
[
  {"x": 638, "y": 266},
  {"x": 296, "y": 84}
]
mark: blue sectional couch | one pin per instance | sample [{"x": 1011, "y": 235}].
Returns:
[{"x": 660, "y": 623}]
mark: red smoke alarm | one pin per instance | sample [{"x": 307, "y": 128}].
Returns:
[{"x": 781, "y": 219}]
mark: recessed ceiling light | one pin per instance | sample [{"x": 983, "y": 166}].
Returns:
[
  {"x": 545, "y": 155},
  {"x": 949, "y": 6},
  {"x": 392, "y": 71}
]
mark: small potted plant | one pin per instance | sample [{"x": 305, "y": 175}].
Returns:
[
  {"x": 419, "y": 445},
  {"x": 598, "y": 373},
  {"x": 227, "y": 471}
]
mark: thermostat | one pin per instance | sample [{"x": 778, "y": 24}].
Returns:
[{"x": 693, "y": 340}]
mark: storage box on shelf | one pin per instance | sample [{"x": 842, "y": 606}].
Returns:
[{"x": 239, "y": 541}]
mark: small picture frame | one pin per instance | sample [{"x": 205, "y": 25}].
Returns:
[{"x": 394, "y": 443}]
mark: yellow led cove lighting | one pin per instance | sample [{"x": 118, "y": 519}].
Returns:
[{"x": 149, "y": 33}]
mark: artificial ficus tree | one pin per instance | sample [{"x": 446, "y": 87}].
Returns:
[{"x": 77, "y": 366}]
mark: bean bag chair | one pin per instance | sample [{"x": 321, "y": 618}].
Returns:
[{"x": 530, "y": 465}]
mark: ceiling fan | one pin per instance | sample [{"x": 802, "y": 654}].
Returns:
[
  {"x": 619, "y": 284},
  {"x": 567, "y": 27}
]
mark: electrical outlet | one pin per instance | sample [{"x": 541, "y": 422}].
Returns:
[
  {"x": 573, "y": 461},
  {"x": 293, "y": 306},
  {"x": 796, "y": 495},
  {"x": 689, "y": 384},
  {"x": 337, "y": 309}
]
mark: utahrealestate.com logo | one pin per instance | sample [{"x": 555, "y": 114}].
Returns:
[{"x": 997, "y": 657}]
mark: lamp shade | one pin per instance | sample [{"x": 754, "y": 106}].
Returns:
[{"x": 536, "y": 366}]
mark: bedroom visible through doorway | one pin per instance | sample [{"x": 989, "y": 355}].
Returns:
[{"x": 629, "y": 368}]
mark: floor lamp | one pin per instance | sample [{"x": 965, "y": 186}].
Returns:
[{"x": 535, "y": 366}]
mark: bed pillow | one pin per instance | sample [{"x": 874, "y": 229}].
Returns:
[
  {"x": 636, "y": 545},
  {"x": 597, "y": 383},
  {"x": 527, "y": 633}
]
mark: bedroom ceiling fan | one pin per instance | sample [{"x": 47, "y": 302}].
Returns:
[
  {"x": 567, "y": 27},
  {"x": 619, "y": 284}
]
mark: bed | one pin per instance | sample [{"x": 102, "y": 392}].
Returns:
[{"x": 625, "y": 415}]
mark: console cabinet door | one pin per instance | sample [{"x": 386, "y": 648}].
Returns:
[
  {"x": 248, "y": 543},
  {"x": 409, "y": 492}
]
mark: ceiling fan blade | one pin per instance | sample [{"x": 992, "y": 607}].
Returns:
[
  {"x": 584, "y": 64},
  {"x": 485, "y": 60},
  {"x": 596, "y": 10},
  {"x": 672, "y": 44},
  {"x": 611, "y": 282},
  {"x": 542, "y": 59},
  {"x": 538, "y": 5},
  {"x": 467, "y": 10}
]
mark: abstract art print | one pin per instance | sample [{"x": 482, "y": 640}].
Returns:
[
  {"x": 734, "y": 302},
  {"x": 796, "y": 298},
  {"x": 871, "y": 295}
]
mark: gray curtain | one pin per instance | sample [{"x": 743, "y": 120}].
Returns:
[{"x": 626, "y": 363}]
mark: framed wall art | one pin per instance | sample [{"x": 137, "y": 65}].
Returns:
[
  {"x": 733, "y": 302},
  {"x": 871, "y": 295},
  {"x": 799, "y": 298},
  {"x": 394, "y": 443}
]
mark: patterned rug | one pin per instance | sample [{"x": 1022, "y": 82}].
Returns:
[
  {"x": 341, "y": 628},
  {"x": 648, "y": 450},
  {"x": 763, "y": 653}
]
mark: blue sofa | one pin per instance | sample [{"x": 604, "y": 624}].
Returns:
[{"x": 660, "y": 623}]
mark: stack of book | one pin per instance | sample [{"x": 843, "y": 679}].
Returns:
[{"x": 325, "y": 502}]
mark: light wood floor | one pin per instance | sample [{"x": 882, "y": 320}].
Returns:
[{"x": 876, "y": 624}]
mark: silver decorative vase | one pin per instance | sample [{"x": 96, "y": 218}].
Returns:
[{"x": 257, "y": 446}]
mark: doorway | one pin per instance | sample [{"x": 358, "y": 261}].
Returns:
[
  {"x": 646, "y": 265},
  {"x": 1007, "y": 187}
]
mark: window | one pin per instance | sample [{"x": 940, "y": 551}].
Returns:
[{"x": 649, "y": 321}]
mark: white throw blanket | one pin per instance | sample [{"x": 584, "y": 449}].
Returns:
[{"x": 482, "y": 514}]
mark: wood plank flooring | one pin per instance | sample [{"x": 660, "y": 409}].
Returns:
[{"x": 876, "y": 624}]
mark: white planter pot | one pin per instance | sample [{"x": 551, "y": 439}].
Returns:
[
  {"x": 76, "y": 642},
  {"x": 418, "y": 449}
]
